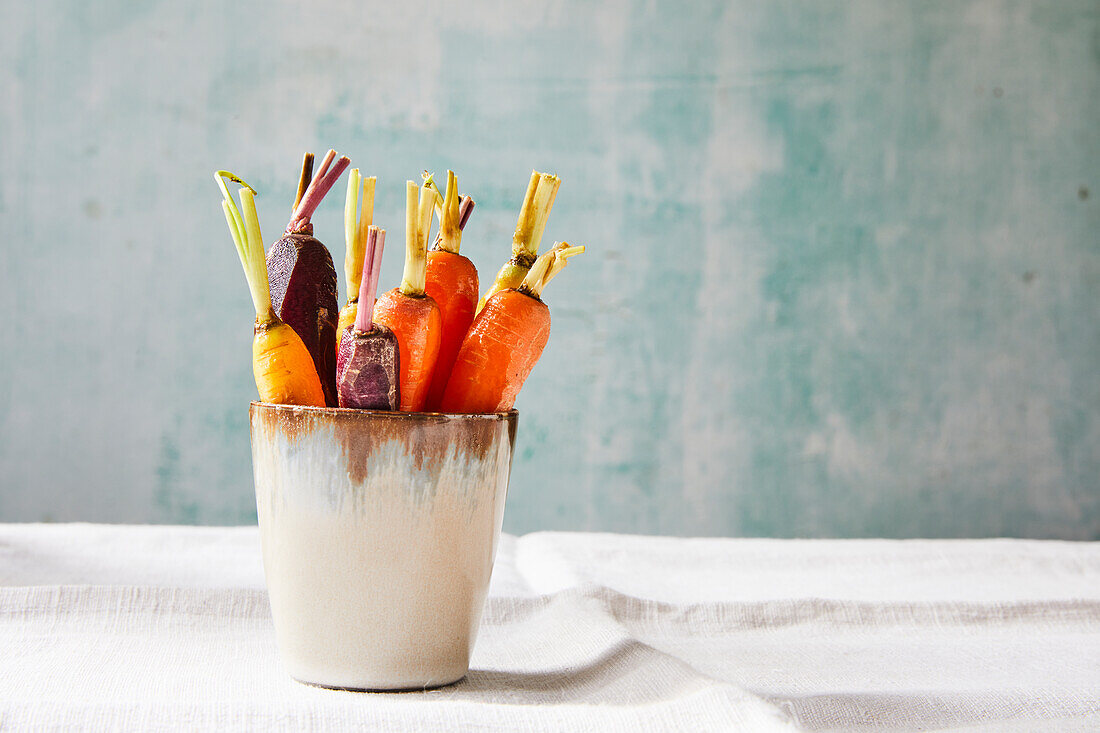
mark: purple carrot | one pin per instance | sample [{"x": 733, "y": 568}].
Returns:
[
  {"x": 368, "y": 363},
  {"x": 303, "y": 278}
]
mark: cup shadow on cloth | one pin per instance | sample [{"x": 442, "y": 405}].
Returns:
[{"x": 628, "y": 673}]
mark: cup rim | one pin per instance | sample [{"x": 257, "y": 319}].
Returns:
[{"x": 385, "y": 414}]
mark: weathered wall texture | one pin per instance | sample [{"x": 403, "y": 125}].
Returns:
[{"x": 843, "y": 273}]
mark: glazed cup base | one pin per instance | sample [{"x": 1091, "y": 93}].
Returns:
[{"x": 425, "y": 688}]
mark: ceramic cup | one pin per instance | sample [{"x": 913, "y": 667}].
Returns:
[{"x": 379, "y": 531}]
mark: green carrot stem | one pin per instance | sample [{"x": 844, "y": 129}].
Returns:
[
  {"x": 414, "y": 274},
  {"x": 450, "y": 232},
  {"x": 424, "y": 224},
  {"x": 238, "y": 223},
  {"x": 366, "y": 207},
  {"x": 245, "y": 230},
  {"x": 465, "y": 208},
  {"x": 541, "y": 191},
  {"x": 358, "y": 216},
  {"x": 526, "y": 221},
  {"x": 544, "y": 202},
  {"x": 238, "y": 238},
  {"x": 547, "y": 267},
  {"x": 353, "y": 258},
  {"x": 531, "y": 282},
  {"x": 429, "y": 182},
  {"x": 257, "y": 281}
]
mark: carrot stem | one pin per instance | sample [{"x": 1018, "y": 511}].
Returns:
[
  {"x": 258, "y": 284},
  {"x": 547, "y": 267},
  {"x": 541, "y": 191},
  {"x": 450, "y": 233},
  {"x": 238, "y": 223},
  {"x": 544, "y": 202},
  {"x": 358, "y": 216},
  {"x": 376, "y": 270},
  {"x": 464, "y": 210},
  {"x": 303, "y": 179},
  {"x": 368, "y": 289},
  {"x": 427, "y": 210},
  {"x": 526, "y": 221},
  {"x": 325, "y": 163},
  {"x": 429, "y": 182},
  {"x": 412, "y": 277},
  {"x": 235, "y": 232},
  {"x": 322, "y": 181},
  {"x": 353, "y": 258},
  {"x": 245, "y": 230},
  {"x": 366, "y": 218}
]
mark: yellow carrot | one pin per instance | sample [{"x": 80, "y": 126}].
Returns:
[{"x": 281, "y": 364}]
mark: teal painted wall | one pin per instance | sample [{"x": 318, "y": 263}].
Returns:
[{"x": 843, "y": 274}]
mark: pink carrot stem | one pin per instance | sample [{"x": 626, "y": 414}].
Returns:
[
  {"x": 323, "y": 180},
  {"x": 321, "y": 171},
  {"x": 333, "y": 175},
  {"x": 376, "y": 271},
  {"x": 464, "y": 210},
  {"x": 363, "y": 315},
  {"x": 368, "y": 284}
]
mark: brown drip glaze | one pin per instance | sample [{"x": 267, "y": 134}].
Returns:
[{"x": 430, "y": 438}]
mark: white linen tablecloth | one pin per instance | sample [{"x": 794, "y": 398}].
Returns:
[{"x": 168, "y": 628}]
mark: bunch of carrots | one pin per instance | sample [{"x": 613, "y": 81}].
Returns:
[{"x": 430, "y": 344}]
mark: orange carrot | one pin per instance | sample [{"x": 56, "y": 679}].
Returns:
[
  {"x": 281, "y": 363},
  {"x": 452, "y": 282},
  {"x": 408, "y": 311},
  {"x": 504, "y": 342}
]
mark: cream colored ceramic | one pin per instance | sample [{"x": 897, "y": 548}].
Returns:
[{"x": 379, "y": 531}]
